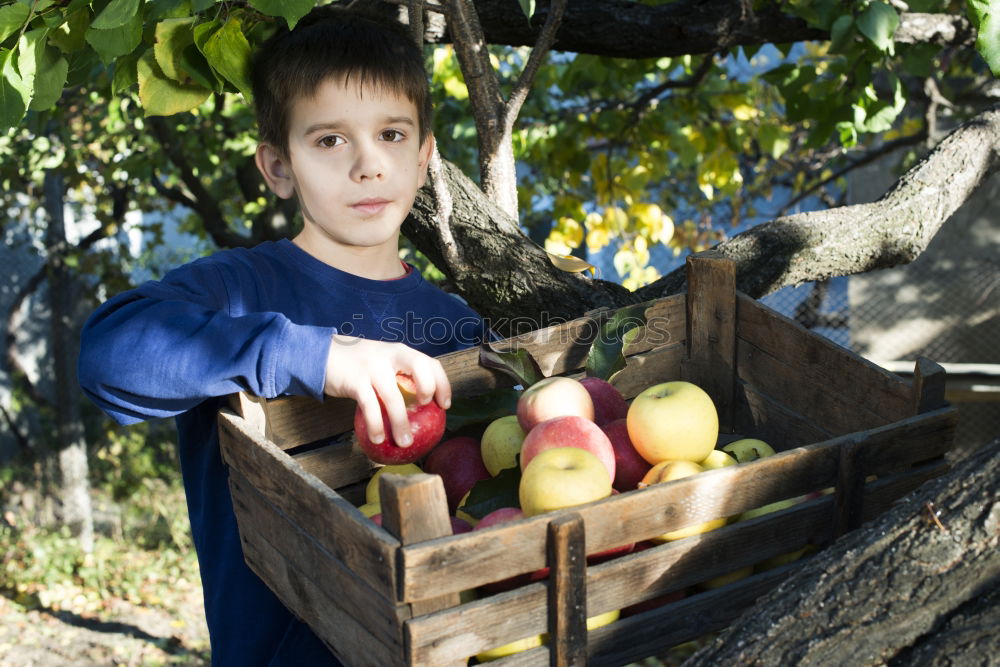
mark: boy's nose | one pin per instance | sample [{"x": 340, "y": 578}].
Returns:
[{"x": 367, "y": 165}]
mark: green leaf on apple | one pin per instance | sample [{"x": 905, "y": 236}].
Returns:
[
  {"x": 517, "y": 363},
  {"x": 606, "y": 356},
  {"x": 493, "y": 493},
  {"x": 483, "y": 408}
]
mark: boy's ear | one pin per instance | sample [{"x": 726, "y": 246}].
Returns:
[
  {"x": 275, "y": 170},
  {"x": 424, "y": 158}
]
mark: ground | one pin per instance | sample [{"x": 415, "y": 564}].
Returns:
[{"x": 123, "y": 634}]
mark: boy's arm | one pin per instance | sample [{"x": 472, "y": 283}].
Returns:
[{"x": 163, "y": 348}]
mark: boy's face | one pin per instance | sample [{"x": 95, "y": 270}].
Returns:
[{"x": 355, "y": 161}]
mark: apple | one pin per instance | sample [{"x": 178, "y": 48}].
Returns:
[
  {"x": 568, "y": 431},
  {"x": 459, "y": 526},
  {"x": 460, "y": 465},
  {"x": 371, "y": 490},
  {"x": 562, "y": 477},
  {"x": 630, "y": 467},
  {"x": 673, "y": 420},
  {"x": 501, "y": 443},
  {"x": 427, "y": 424},
  {"x": 553, "y": 397},
  {"x": 371, "y": 509},
  {"x": 510, "y": 649},
  {"x": 717, "y": 459},
  {"x": 668, "y": 471},
  {"x": 609, "y": 404},
  {"x": 748, "y": 449}
]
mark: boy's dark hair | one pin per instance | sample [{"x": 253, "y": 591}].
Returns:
[{"x": 331, "y": 42}]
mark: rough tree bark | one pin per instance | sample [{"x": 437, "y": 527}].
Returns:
[
  {"x": 919, "y": 585},
  {"x": 790, "y": 250}
]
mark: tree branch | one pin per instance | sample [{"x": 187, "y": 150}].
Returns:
[{"x": 538, "y": 54}]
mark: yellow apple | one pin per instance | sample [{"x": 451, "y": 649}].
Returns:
[
  {"x": 749, "y": 449},
  {"x": 501, "y": 443},
  {"x": 510, "y": 649},
  {"x": 667, "y": 471},
  {"x": 673, "y": 421},
  {"x": 606, "y": 618},
  {"x": 371, "y": 509},
  {"x": 460, "y": 513},
  {"x": 371, "y": 491},
  {"x": 718, "y": 459},
  {"x": 562, "y": 477}
]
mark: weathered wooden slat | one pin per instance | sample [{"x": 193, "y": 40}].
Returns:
[
  {"x": 929, "y": 380},
  {"x": 650, "y": 367},
  {"x": 711, "y": 330},
  {"x": 567, "y": 592},
  {"x": 769, "y": 420},
  {"x": 343, "y": 530},
  {"x": 370, "y": 615},
  {"x": 337, "y": 464},
  {"x": 296, "y": 592},
  {"x": 508, "y": 549},
  {"x": 817, "y": 360}
]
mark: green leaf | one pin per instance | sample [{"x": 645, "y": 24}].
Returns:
[
  {"x": 162, "y": 96},
  {"x": 71, "y": 35},
  {"x": 528, "y": 7},
  {"x": 228, "y": 52},
  {"x": 985, "y": 16},
  {"x": 117, "y": 14},
  {"x": 494, "y": 493},
  {"x": 172, "y": 37},
  {"x": 126, "y": 74},
  {"x": 517, "y": 363},
  {"x": 12, "y": 17},
  {"x": 841, "y": 33},
  {"x": 201, "y": 5},
  {"x": 195, "y": 65},
  {"x": 48, "y": 69},
  {"x": 878, "y": 23},
  {"x": 606, "y": 356},
  {"x": 14, "y": 94},
  {"x": 290, "y": 10},
  {"x": 115, "y": 42},
  {"x": 483, "y": 408}
]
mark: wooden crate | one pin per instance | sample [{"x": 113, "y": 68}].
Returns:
[{"x": 392, "y": 596}]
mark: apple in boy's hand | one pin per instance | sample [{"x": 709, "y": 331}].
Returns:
[
  {"x": 630, "y": 467},
  {"x": 609, "y": 404},
  {"x": 501, "y": 443},
  {"x": 569, "y": 431},
  {"x": 673, "y": 420},
  {"x": 426, "y": 424},
  {"x": 460, "y": 466},
  {"x": 749, "y": 449},
  {"x": 562, "y": 477},
  {"x": 553, "y": 397}
]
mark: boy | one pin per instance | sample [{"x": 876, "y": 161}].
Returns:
[{"x": 344, "y": 118}]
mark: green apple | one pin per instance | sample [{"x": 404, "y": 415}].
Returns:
[
  {"x": 562, "y": 477},
  {"x": 718, "y": 459},
  {"x": 371, "y": 490},
  {"x": 673, "y": 421},
  {"x": 501, "y": 443},
  {"x": 668, "y": 471},
  {"x": 749, "y": 449}
]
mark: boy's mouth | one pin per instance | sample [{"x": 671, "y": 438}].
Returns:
[{"x": 370, "y": 205}]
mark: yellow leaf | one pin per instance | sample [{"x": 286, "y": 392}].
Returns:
[
  {"x": 571, "y": 264},
  {"x": 745, "y": 112}
]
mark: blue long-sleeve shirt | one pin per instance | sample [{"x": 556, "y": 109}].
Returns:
[{"x": 260, "y": 321}]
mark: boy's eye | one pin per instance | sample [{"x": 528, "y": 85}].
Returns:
[
  {"x": 329, "y": 141},
  {"x": 392, "y": 135}
]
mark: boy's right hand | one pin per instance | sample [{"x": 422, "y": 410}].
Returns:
[{"x": 366, "y": 370}]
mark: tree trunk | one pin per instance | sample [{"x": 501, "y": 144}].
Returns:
[
  {"x": 919, "y": 585},
  {"x": 75, "y": 485}
]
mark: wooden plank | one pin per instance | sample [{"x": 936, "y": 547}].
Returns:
[
  {"x": 506, "y": 550},
  {"x": 337, "y": 464},
  {"x": 758, "y": 415},
  {"x": 567, "y": 592},
  {"x": 648, "y": 368},
  {"x": 929, "y": 380},
  {"x": 415, "y": 509},
  {"x": 883, "y": 493},
  {"x": 296, "y": 591},
  {"x": 817, "y": 360},
  {"x": 849, "y": 496},
  {"x": 360, "y": 612},
  {"x": 711, "y": 330},
  {"x": 336, "y": 524}
]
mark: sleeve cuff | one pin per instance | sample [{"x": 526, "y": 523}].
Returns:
[{"x": 301, "y": 363}]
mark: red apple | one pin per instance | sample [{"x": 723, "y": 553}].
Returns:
[
  {"x": 503, "y": 515},
  {"x": 630, "y": 467},
  {"x": 426, "y": 424},
  {"x": 609, "y": 404},
  {"x": 569, "y": 431},
  {"x": 553, "y": 397},
  {"x": 460, "y": 464}
]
